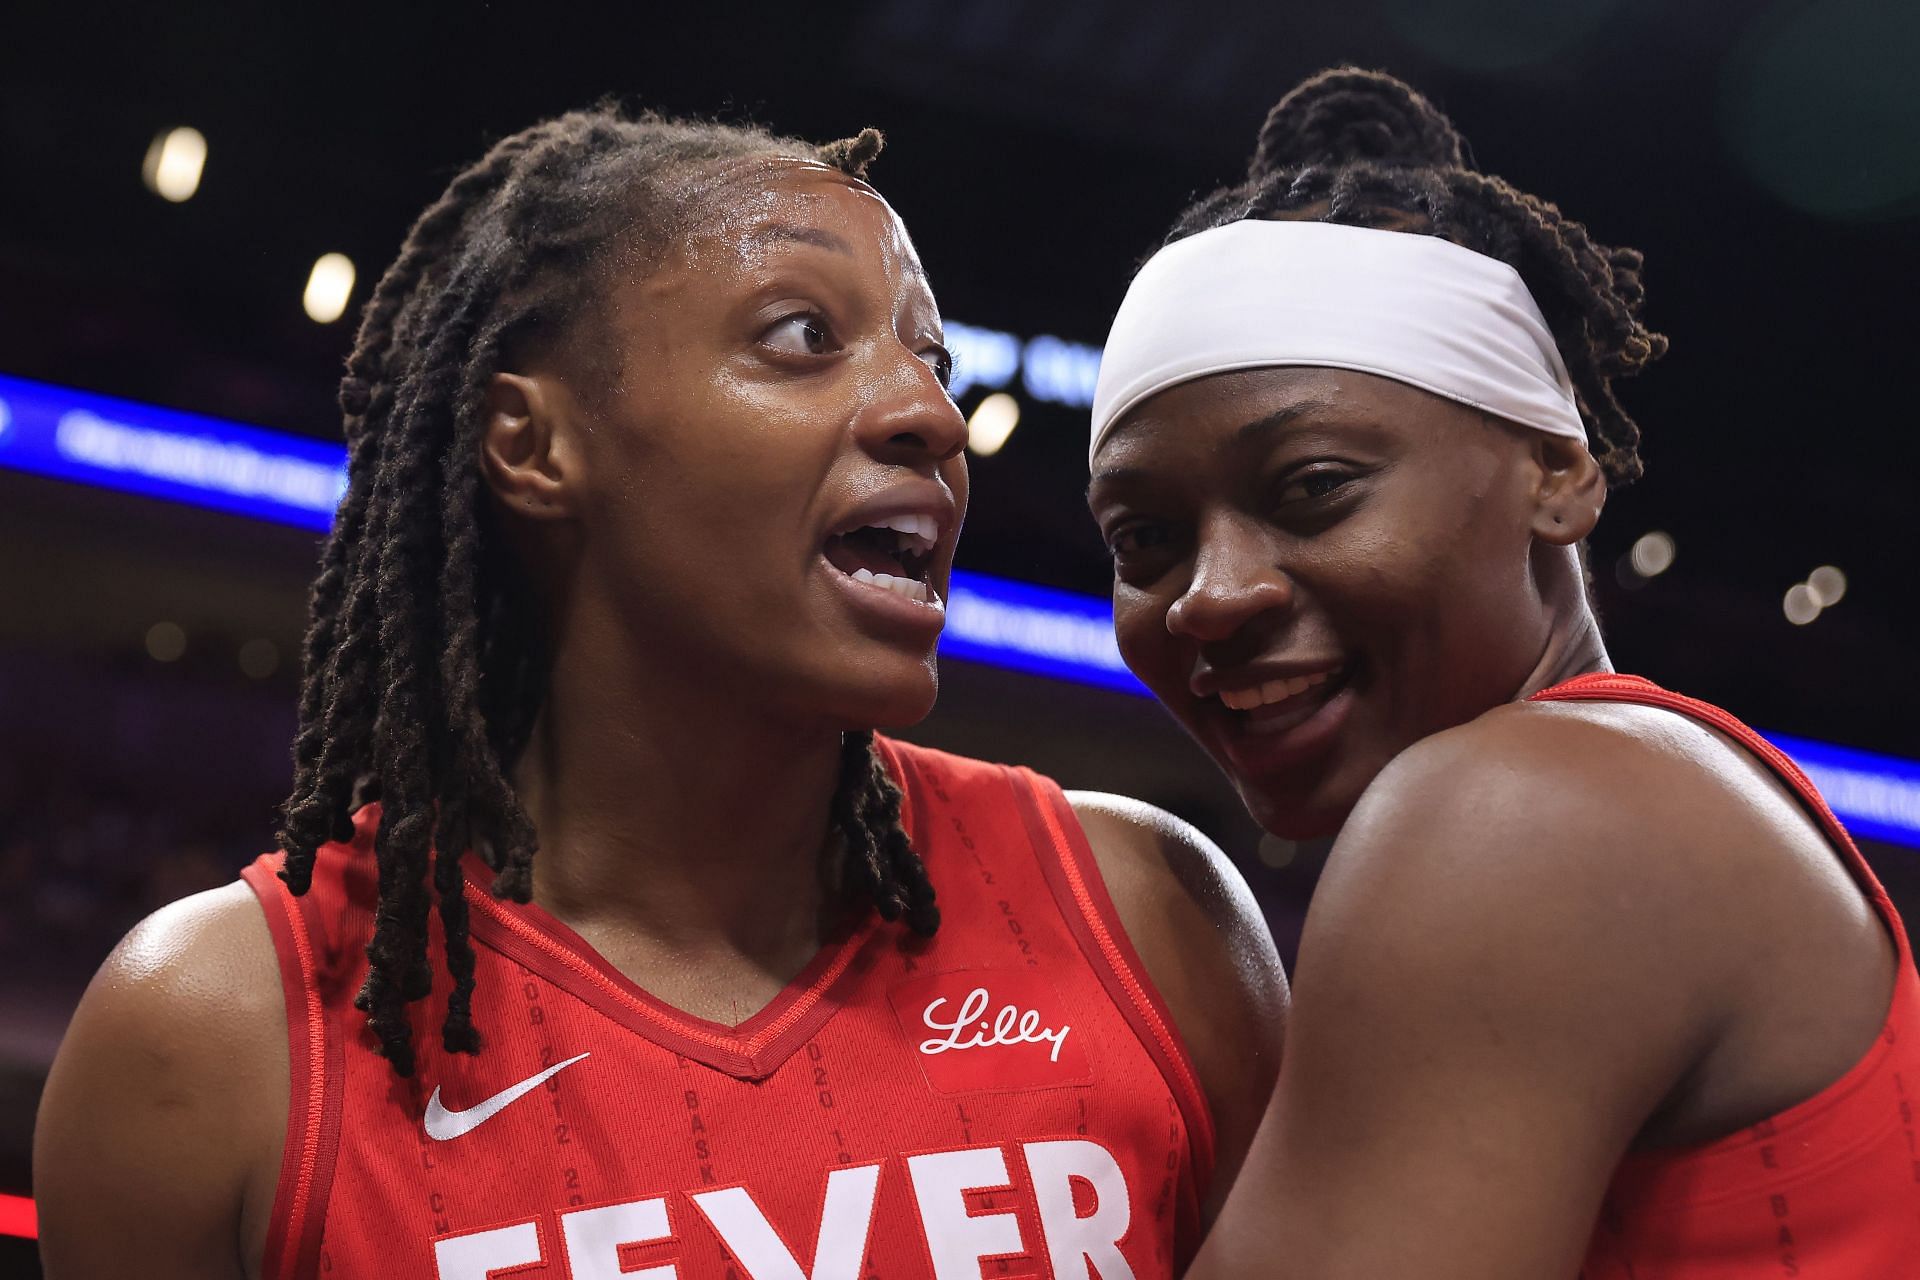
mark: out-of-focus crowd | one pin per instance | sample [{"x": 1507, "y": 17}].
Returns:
[{"x": 79, "y": 868}]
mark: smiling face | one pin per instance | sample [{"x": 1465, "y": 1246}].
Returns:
[
  {"x": 765, "y": 491},
  {"x": 1314, "y": 569}
]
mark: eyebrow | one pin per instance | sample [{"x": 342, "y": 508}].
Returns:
[
  {"x": 1272, "y": 422},
  {"x": 1243, "y": 434},
  {"x": 817, "y": 236}
]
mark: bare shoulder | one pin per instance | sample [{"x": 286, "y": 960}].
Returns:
[
  {"x": 1205, "y": 945},
  {"x": 1589, "y": 795},
  {"x": 168, "y": 1097},
  {"x": 1545, "y": 871},
  {"x": 1161, "y": 872},
  {"x": 1547, "y": 787},
  {"x": 1525, "y": 817}
]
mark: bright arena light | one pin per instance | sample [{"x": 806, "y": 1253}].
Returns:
[
  {"x": 173, "y": 164},
  {"x": 1653, "y": 554},
  {"x": 328, "y": 288},
  {"x": 1828, "y": 585},
  {"x": 1801, "y": 605},
  {"x": 993, "y": 420}
]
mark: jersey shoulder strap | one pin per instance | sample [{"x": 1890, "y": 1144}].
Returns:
[
  {"x": 1608, "y": 686},
  {"x": 319, "y": 940}
]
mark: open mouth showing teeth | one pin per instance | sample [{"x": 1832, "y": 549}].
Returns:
[
  {"x": 1278, "y": 706},
  {"x": 1275, "y": 691},
  {"x": 893, "y": 554}
]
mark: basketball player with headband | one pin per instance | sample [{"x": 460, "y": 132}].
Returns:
[{"x": 1594, "y": 984}]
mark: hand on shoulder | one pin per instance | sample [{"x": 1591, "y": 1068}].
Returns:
[{"x": 166, "y": 1106}]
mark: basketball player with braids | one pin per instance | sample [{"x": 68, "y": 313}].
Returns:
[
  {"x": 605, "y": 934},
  {"x": 1594, "y": 984}
]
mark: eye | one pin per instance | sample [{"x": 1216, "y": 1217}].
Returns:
[
  {"x": 804, "y": 333},
  {"x": 940, "y": 360},
  {"x": 1307, "y": 486},
  {"x": 1137, "y": 538}
]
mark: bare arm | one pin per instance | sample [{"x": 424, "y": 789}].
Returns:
[
  {"x": 159, "y": 1134},
  {"x": 1206, "y": 946},
  {"x": 1502, "y": 978}
]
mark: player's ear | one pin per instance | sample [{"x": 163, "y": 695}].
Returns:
[
  {"x": 1569, "y": 489},
  {"x": 529, "y": 449}
]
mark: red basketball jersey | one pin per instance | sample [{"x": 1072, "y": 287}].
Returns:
[
  {"x": 1826, "y": 1190},
  {"x": 1007, "y": 1098}
]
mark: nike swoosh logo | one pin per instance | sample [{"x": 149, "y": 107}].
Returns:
[{"x": 443, "y": 1124}]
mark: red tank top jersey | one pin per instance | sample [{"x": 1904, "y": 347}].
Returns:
[
  {"x": 1007, "y": 1098},
  {"x": 1826, "y": 1190}
]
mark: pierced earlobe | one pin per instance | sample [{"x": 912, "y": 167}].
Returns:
[{"x": 1569, "y": 490}]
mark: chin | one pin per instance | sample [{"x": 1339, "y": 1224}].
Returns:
[
  {"x": 1304, "y": 805},
  {"x": 891, "y": 698},
  {"x": 1293, "y": 819}
]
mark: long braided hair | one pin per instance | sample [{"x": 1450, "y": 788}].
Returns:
[
  {"x": 423, "y": 669},
  {"x": 1361, "y": 148}
]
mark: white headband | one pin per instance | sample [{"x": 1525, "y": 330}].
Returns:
[{"x": 1415, "y": 308}]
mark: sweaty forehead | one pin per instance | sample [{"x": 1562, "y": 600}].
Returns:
[{"x": 747, "y": 208}]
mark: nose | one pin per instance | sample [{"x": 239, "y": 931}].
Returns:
[
  {"x": 910, "y": 416},
  {"x": 1235, "y": 580}
]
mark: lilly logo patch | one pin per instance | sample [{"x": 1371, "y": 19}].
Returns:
[{"x": 990, "y": 1031}]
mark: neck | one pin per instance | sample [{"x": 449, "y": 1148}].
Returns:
[
  {"x": 1573, "y": 645},
  {"x": 676, "y": 812}
]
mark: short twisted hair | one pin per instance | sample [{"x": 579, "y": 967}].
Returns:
[{"x": 1364, "y": 149}]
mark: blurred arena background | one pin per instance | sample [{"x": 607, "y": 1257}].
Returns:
[{"x": 194, "y": 202}]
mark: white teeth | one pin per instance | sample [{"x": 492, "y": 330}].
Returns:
[
  {"x": 909, "y": 588},
  {"x": 917, "y": 532},
  {"x": 1272, "y": 691}
]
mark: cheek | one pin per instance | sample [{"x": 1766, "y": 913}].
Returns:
[
  {"x": 1438, "y": 597},
  {"x": 1380, "y": 577},
  {"x": 1140, "y": 628},
  {"x": 1431, "y": 555},
  {"x": 960, "y": 482},
  {"x": 702, "y": 531},
  {"x": 719, "y": 469}
]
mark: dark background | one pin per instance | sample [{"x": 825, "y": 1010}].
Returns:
[{"x": 1765, "y": 156}]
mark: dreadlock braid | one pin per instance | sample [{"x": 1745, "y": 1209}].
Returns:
[
  {"x": 853, "y": 155},
  {"x": 1364, "y": 149},
  {"x": 866, "y": 809},
  {"x": 423, "y": 667},
  {"x": 364, "y": 395}
]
